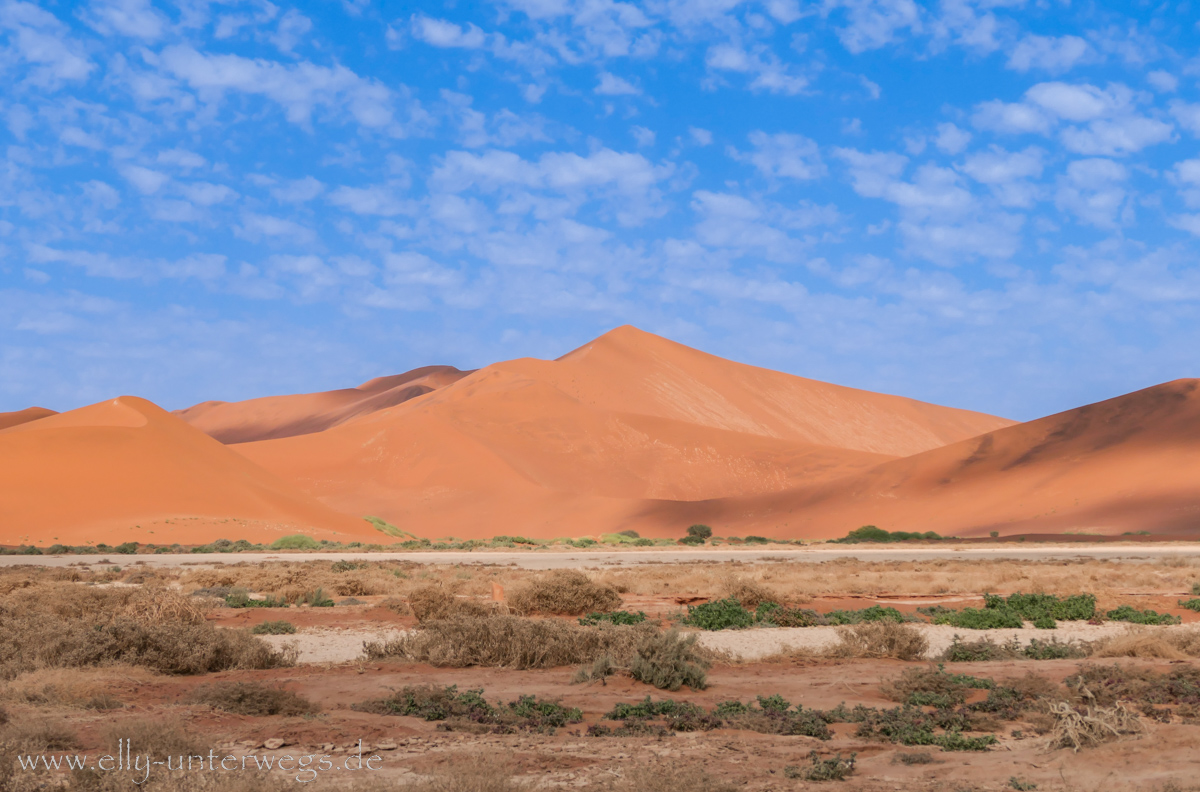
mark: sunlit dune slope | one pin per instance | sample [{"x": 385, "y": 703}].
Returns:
[
  {"x": 285, "y": 416},
  {"x": 581, "y": 444},
  {"x": 126, "y": 470},
  {"x": 8, "y": 419},
  {"x": 1126, "y": 464}
]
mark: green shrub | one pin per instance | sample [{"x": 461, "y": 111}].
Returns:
[
  {"x": 317, "y": 599},
  {"x": 756, "y": 540},
  {"x": 613, "y": 617},
  {"x": 976, "y": 618},
  {"x": 871, "y": 533},
  {"x": 527, "y": 713},
  {"x": 719, "y": 615},
  {"x": 126, "y": 548},
  {"x": 280, "y": 627},
  {"x": 1192, "y": 604},
  {"x": 240, "y": 598},
  {"x": 669, "y": 661},
  {"x": 772, "y": 613},
  {"x": 630, "y": 534},
  {"x": 1045, "y": 623},
  {"x": 346, "y": 566},
  {"x": 295, "y": 542},
  {"x": 1031, "y": 607},
  {"x": 1127, "y": 613},
  {"x": 700, "y": 530},
  {"x": 875, "y": 613},
  {"x": 691, "y": 540},
  {"x": 643, "y": 542}
]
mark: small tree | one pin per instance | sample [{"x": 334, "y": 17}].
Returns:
[
  {"x": 699, "y": 531},
  {"x": 994, "y": 534}
]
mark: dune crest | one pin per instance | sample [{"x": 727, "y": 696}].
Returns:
[
  {"x": 272, "y": 417},
  {"x": 126, "y": 470},
  {"x": 10, "y": 419}
]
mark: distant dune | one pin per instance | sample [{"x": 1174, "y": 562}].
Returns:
[
  {"x": 286, "y": 416},
  {"x": 579, "y": 445},
  {"x": 1126, "y": 464},
  {"x": 8, "y": 419},
  {"x": 126, "y": 470}
]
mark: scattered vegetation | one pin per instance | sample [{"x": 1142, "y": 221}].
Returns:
[
  {"x": 985, "y": 650},
  {"x": 240, "y": 598},
  {"x": 669, "y": 661},
  {"x": 278, "y": 627},
  {"x": 252, "y": 698},
  {"x": 1127, "y": 613},
  {"x": 1091, "y": 726},
  {"x": 295, "y": 542},
  {"x": 526, "y": 713},
  {"x": 933, "y": 687},
  {"x": 881, "y": 639},
  {"x": 613, "y": 617},
  {"x": 875, "y": 613}
]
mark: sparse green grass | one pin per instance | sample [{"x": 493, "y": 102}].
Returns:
[
  {"x": 1128, "y": 613},
  {"x": 278, "y": 627},
  {"x": 526, "y": 713}
]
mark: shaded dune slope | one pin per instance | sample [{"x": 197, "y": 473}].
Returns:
[
  {"x": 1131, "y": 463},
  {"x": 303, "y": 413},
  {"x": 9, "y": 419},
  {"x": 126, "y": 470},
  {"x": 579, "y": 445}
]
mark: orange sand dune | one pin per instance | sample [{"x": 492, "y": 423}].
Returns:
[
  {"x": 582, "y": 444},
  {"x": 1127, "y": 464},
  {"x": 126, "y": 470},
  {"x": 8, "y": 419},
  {"x": 286, "y": 416}
]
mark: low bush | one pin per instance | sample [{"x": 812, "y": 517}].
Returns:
[
  {"x": 1192, "y": 604},
  {"x": 566, "y": 592},
  {"x": 1150, "y": 643},
  {"x": 976, "y": 618},
  {"x": 295, "y": 542},
  {"x": 769, "y": 715},
  {"x": 985, "y": 649},
  {"x": 526, "y": 713},
  {"x": 278, "y": 627},
  {"x": 909, "y": 725},
  {"x": 880, "y": 639},
  {"x": 432, "y": 603},
  {"x": 700, "y": 531},
  {"x": 1031, "y": 607},
  {"x": 771, "y": 614},
  {"x": 613, "y": 617},
  {"x": 252, "y": 698},
  {"x": 932, "y": 687},
  {"x": 913, "y": 758},
  {"x": 871, "y": 533},
  {"x": 875, "y": 613},
  {"x": 1092, "y": 726},
  {"x": 669, "y": 661},
  {"x": 1106, "y": 685},
  {"x": 691, "y": 540},
  {"x": 722, "y": 614},
  {"x": 818, "y": 769},
  {"x": 1127, "y": 613},
  {"x": 512, "y": 642},
  {"x": 240, "y": 598},
  {"x": 316, "y": 599}
]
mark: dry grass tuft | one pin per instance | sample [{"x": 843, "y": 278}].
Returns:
[
  {"x": 880, "y": 639},
  {"x": 748, "y": 592},
  {"x": 668, "y": 661},
  {"x": 71, "y": 687},
  {"x": 1154, "y": 643},
  {"x": 512, "y": 642},
  {"x": 252, "y": 698},
  {"x": 673, "y": 777},
  {"x": 1097, "y": 725},
  {"x": 471, "y": 773},
  {"x": 565, "y": 592},
  {"x": 434, "y": 603}
]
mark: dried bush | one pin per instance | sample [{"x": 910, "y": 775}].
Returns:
[
  {"x": 31, "y": 641},
  {"x": 71, "y": 687},
  {"x": 434, "y": 603},
  {"x": 565, "y": 592},
  {"x": 932, "y": 687},
  {"x": 277, "y": 627},
  {"x": 880, "y": 639},
  {"x": 1150, "y": 643},
  {"x": 511, "y": 642},
  {"x": 669, "y": 661},
  {"x": 252, "y": 698},
  {"x": 1094, "y": 726},
  {"x": 748, "y": 592}
]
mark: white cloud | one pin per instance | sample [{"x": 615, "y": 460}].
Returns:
[
  {"x": 1008, "y": 174},
  {"x": 1093, "y": 191},
  {"x": 206, "y": 193},
  {"x": 1117, "y": 137},
  {"x": 952, "y": 140},
  {"x": 1188, "y": 116},
  {"x": 701, "y": 137},
  {"x": 1163, "y": 81},
  {"x": 770, "y": 74},
  {"x": 440, "y": 33},
  {"x": 291, "y": 30},
  {"x": 133, "y": 18},
  {"x": 375, "y": 200},
  {"x": 1079, "y": 102},
  {"x": 1013, "y": 118},
  {"x": 644, "y": 137},
  {"x": 874, "y": 23},
  {"x": 181, "y": 158},
  {"x": 40, "y": 40},
  {"x": 145, "y": 180},
  {"x": 298, "y": 191},
  {"x": 257, "y": 226},
  {"x": 612, "y": 85},
  {"x": 1048, "y": 53},
  {"x": 783, "y": 154},
  {"x": 299, "y": 88}
]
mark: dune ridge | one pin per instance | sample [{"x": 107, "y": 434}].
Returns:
[{"x": 8, "y": 419}]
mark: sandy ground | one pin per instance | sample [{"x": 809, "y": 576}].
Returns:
[
  {"x": 342, "y": 646},
  {"x": 576, "y": 559}
]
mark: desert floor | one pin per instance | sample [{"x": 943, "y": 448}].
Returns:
[{"x": 799, "y": 664}]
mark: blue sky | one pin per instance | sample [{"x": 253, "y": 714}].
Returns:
[{"x": 992, "y": 205}]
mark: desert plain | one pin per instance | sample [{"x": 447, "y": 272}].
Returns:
[{"x": 610, "y": 571}]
